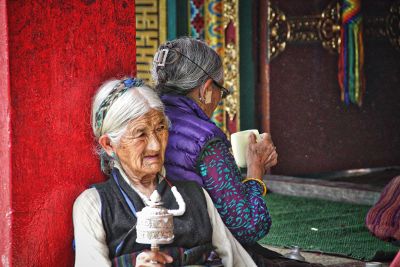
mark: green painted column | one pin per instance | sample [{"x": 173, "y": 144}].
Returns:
[
  {"x": 178, "y": 18},
  {"x": 247, "y": 75}
]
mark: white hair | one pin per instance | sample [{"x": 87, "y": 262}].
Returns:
[
  {"x": 189, "y": 64},
  {"x": 132, "y": 104}
]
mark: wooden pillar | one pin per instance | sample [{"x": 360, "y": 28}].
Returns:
[{"x": 55, "y": 56}]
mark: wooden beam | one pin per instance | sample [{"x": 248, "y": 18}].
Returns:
[{"x": 262, "y": 93}]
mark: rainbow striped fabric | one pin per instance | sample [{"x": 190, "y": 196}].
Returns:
[
  {"x": 383, "y": 219},
  {"x": 351, "y": 57}
]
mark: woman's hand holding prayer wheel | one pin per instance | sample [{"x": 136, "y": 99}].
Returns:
[{"x": 153, "y": 259}]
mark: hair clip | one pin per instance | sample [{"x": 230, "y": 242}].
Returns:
[{"x": 161, "y": 57}]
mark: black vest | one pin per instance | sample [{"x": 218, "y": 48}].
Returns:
[{"x": 191, "y": 229}]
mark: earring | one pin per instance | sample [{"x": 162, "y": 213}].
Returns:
[
  {"x": 208, "y": 97},
  {"x": 201, "y": 100},
  {"x": 113, "y": 155}
]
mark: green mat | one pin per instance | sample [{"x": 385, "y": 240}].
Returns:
[{"x": 324, "y": 226}]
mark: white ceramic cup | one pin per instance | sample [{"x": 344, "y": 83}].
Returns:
[{"x": 240, "y": 142}]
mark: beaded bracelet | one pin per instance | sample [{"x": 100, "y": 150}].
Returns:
[{"x": 258, "y": 181}]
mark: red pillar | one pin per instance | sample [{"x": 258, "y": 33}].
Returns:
[
  {"x": 5, "y": 157},
  {"x": 58, "y": 54}
]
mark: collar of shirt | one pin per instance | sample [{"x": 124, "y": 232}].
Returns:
[{"x": 144, "y": 198}]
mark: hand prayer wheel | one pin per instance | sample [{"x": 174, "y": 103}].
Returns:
[{"x": 155, "y": 224}]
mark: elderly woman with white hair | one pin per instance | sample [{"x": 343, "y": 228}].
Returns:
[{"x": 131, "y": 129}]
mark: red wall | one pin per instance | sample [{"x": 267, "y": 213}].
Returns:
[
  {"x": 59, "y": 53},
  {"x": 5, "y": 160}
]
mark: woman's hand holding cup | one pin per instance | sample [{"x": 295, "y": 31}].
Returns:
[
  {"x": 272, "y": 158},
  {"x": 254, "y": 151},
  {"x": 260, "y": 155}
]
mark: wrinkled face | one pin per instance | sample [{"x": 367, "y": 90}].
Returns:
[{"x": 142, "y": 148}]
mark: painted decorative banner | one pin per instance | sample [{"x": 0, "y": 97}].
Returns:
[
  {"x": 351, "y": 58},
  {"x": 215, "y": 37},
  {"x": 196, "y": 25},
  {"x": 231, "y": 65},
  {"x": 216, "y": 22},
  {"x": 214, "y": 29}
]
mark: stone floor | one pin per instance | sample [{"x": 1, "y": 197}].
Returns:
[{"x": 327, "y": 260}]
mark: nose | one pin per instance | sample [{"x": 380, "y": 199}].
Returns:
[{"x": 154, "y": 143}]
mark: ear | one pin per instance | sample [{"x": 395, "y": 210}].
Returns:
[
  {"x": 207, "y": 87},
  {"x": 105, "y": 143}
]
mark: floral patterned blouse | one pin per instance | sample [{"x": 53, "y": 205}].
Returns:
[{"x": 241, "y": 206}]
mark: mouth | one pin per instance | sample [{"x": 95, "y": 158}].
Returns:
[{"x": 155, "y": 158}]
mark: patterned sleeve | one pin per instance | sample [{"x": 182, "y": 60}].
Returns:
[{"x": 241, "y": 206}]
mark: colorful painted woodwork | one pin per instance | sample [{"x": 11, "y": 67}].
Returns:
[{"x": 151, "y": 27}]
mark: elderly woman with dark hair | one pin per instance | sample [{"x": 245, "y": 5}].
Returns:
[
  {"x": 131, "y": 128},
  {"x": 188, "y": 74}
]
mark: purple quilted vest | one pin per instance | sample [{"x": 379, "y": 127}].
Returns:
[{"x": 190, "y": 131}]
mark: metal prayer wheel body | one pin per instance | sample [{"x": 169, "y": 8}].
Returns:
[{"x": 154, "y": 223}]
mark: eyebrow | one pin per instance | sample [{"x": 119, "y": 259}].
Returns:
[
  {"x": 138, "y": 129},
  {"x": 142, "y": 128}
]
